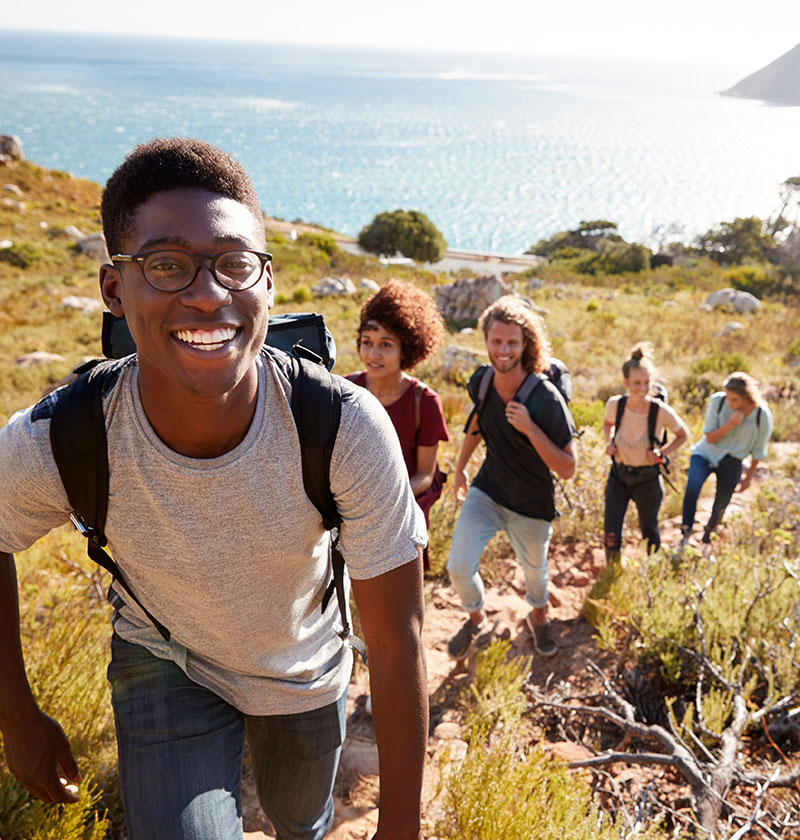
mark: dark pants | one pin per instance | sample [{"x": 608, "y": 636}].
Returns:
[
  {"x": 729, "y": 471},
  {"x": 645, "y": 487}
]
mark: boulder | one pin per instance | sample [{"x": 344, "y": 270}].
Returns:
[
  {"x": 461, "y": 360},
  {"x": 95, "y": 246},
  {"x": 5, "y": 244},
  {"x": 465, "y": 299},
  {"x": 86, "y": 305},
  {"x": 12, "y": 204},
  {"x": 76, "y": 233},
  {"x": 729, "y": 328},
  {"x": 334, "y": 286},
  {"x": 358, "y": 758},
  {"x": 534, "y": 284},
  {"x": 38, "y": 357},
  {"x": 367, "y": 283},
  {"x": 13, "y": 189},
  {"x": 11, "y": 146},
  {"x": 740, "y": 301}
]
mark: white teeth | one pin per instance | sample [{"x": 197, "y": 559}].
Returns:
[{"x": 206, "y": 339}]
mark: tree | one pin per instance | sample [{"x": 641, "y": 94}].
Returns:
[
  {"x": 738, "y": 241},
  {"x": 589, "y": 235},
  {"x": 408, "y": 232}
]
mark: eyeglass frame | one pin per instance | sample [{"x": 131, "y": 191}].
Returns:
[{"x": 264, "y": 257}]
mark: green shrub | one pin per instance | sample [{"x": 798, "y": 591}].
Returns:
[
  {"x": 321, "y": 241},
  {"x": 22, "y": 255},
  {"x": 759, "y": 280},
  {"x": 588, "y": 413},
  {"x": 410, "y": 233},
  {"x": 723, "y": 362},
  {"x": 301, "y": 294}
]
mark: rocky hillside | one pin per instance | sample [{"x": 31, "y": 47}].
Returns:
[{"x": 778, "y": 82}]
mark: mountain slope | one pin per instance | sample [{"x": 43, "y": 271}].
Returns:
[{"x": 778, "y": 82}]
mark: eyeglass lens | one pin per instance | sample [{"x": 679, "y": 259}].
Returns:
[{"x": 172, "y": 270}]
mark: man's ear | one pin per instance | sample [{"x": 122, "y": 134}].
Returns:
[
  {"x": 270, "y": 286},
  {"x": 111, "y": 288}
]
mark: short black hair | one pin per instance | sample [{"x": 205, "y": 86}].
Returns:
[{"x": 170, "y": 164}]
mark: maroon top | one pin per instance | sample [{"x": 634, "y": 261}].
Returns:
[{"x": 432, "y": 425}]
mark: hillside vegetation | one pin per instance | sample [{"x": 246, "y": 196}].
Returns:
[{"x": 592, "y": 320}]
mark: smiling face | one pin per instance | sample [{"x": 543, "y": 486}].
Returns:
[
  {"x": 638, "y": 383},
  {"x": 505, "y": 343},
  {"x": 201, "y": 341},
  {"x": 380, "y": 350}
]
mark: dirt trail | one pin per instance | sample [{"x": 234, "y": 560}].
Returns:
[{"x": 573, "y": 570}]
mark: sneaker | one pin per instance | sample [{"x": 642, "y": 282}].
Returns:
[
  {"x": 543, "y": 641},
  {"x": 459, "y": 646}
]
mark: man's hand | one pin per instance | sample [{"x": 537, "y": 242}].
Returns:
[
  {"x": 460, "y": 485},
  {"x": 611, "y": 449},
  {"x": 38, "y": 754},
  {"x": 518, "y": 416}
]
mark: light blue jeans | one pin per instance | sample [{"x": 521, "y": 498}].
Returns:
[
  {"x": 480, "y": 519},
  {"x": 180, "y": 756}
]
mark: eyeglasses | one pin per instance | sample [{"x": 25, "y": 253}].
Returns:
[{"x": 174, "y": 270}]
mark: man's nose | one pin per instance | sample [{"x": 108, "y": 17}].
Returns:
[{"x": 205, "y": 291}]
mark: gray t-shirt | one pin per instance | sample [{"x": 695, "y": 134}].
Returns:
[{"x": 229, "y": 552}]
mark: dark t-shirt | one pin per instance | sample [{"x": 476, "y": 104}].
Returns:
[{"x": 513, "y": 474}]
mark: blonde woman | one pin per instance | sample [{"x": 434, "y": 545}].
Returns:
[
  {"x": 633, "y": 425},
  {"x": 738, "y": 423}
]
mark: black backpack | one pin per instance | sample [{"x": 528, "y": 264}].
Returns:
[
  {"x": 652, "y": 418},
  {"x": 78, "y": 438}
]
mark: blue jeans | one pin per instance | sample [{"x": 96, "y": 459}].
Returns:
[
  {"x": 480, "y": 519},
  {"x": 180, "y": 756},
  {"x": 645, "y": 487},
  {"x": 729, "y": 471}
]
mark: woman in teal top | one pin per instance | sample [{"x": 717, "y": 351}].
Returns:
[{"x": 738, "y": 423}]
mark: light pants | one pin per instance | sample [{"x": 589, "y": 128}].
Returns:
[
  {"x": 480, "y": 519},
  {"x": 180, "y": 756}
]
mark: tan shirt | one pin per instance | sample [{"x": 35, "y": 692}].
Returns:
[{"x": 632, "y": 439}]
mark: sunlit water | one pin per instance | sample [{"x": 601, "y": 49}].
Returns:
[{"x": 498, "y": 152}]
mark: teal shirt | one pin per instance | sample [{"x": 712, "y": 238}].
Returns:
[{"x": 748, "y": 438}]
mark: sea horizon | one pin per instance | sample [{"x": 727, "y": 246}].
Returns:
[{"x": 498, "y": 151}]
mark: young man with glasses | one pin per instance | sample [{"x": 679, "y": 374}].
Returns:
[{"x": 209, "y": 521}]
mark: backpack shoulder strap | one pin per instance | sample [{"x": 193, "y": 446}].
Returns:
[
  {"x": 317, "y": 410},
  {"x": 652, "y": 419},
  {"x": 419, "y": 390},
  {"x": 620, "y": 411},
  {"x": 80, "y": 449},
  {"x": 529, "y": 385},
  {"x": 483, "y": 389}
]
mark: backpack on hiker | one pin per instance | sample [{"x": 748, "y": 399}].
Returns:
[{"x": 78, "y": 438}]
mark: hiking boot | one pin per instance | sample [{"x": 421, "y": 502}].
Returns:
[
  {"x": 543, "y": 641},
  {"x": 459, "y": 646}
]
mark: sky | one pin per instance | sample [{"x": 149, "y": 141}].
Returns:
[{"x": 735, "y": 33}]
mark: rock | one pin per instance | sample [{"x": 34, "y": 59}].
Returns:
[
  {"x": 447, "y": 731},
  {"x": 95, "y": 246},
  {"x": 567, "y": 751},
  {"x": 367, "y": 283},
  {"x": 76, "y": 233},
  {"x": 465, "y": 299},
  {"x": 534, "y": 284},
  {"x": 13, "y": 189},
  {"x": 334, "y": 286},
  {"x": 359, "y": 758},
  {"x": 11, "y": 204},
  {"x": 795, "y": 362},
  {"x": 5, "y": 244},
  {"x": 460, "y": 359},
  {"x": 86, "y": 305},
  {"x": 730, "y": 327},
  {"x": 740, "y": 301},
  {"x": 11, "y": 145},
  {"x": 466, "y": 331},
  {"x": 43, "y": 225},
  {"x": 38, "y": 357}
]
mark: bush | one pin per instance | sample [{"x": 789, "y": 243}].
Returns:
[
  {"x": 301, "y": 294},
  {"x": 410, "y": 233},
  {"x": 21, "y": 256},
  {"x": 756, "y": 279},
  {"x": 321, "y": 241},
  {"x": 723, "y": 362}
]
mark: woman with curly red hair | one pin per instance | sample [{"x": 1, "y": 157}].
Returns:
[{"x": 400, "y": 327}]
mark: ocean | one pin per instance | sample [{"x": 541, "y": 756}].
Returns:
[{"x": 497, "y": 151}]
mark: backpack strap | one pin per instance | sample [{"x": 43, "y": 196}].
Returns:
[
  {"x": 80, "y": 449},
  {"x": 620, "y": 411},
  {"x": 419, "y": 390},
  {"x": 759, "y": 412},
  {"x": 317, "y": 410},
  {"x": 652, "y": 419},
  {"x": 483, "y": 390},
  {"x": 529, "y": 385}
]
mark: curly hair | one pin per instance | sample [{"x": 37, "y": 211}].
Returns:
[
  {"x": 641, "y": 356},
  {"x": 170, "y": 164},
  {"x": 411, "y": 315},
  {"x": 744, "y": 386},
  {"x": 512, "y": 309}
]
